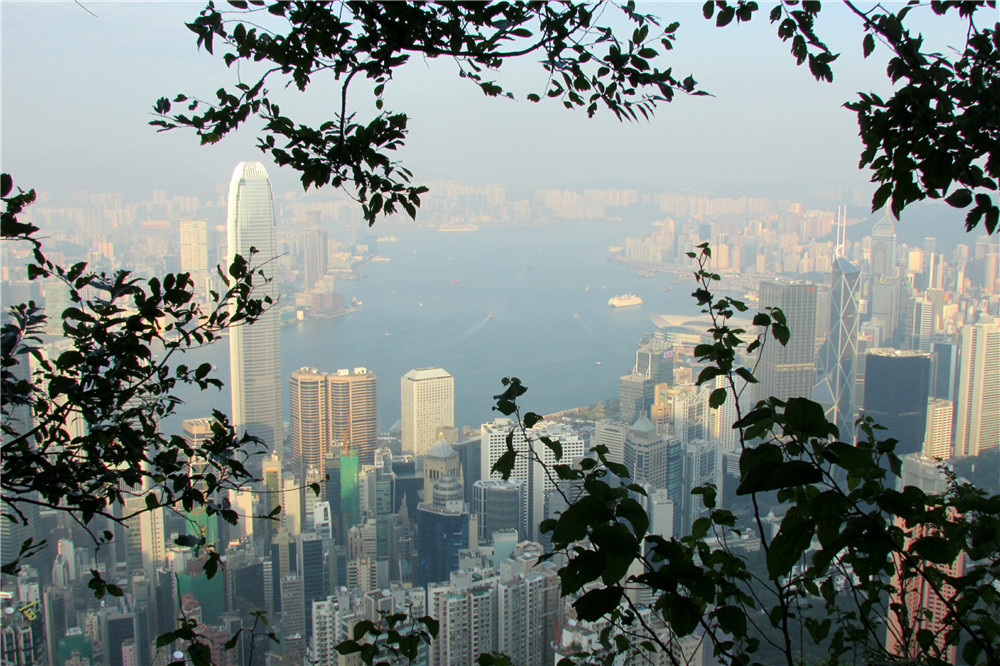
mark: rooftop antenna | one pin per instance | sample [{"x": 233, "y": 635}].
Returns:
[{"x": 838, "y": 251}]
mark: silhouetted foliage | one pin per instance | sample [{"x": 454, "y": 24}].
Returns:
[
  {"x": 935, "y": 137},
  {"x": 80, "y": 427},
  {"x": 849, "y": 541}
]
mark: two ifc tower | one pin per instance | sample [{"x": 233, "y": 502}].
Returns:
[{"x": 255, "y": 353}]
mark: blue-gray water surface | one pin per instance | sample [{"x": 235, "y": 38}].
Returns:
[{"x": 485, "y": 304}]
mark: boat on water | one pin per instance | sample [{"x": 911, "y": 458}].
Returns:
[{"x": 624, "y": 301}]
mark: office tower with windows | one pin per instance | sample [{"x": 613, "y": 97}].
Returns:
[
  {"x": 194, "y": 246},
  {"x": 499, "y": 506},
  {"x": 493, "y": 440},
  {"x": 937, "y": 435},
  {"x": 789, "y": 371},
  {"x": 314, "y": 251},
  {"x": 315, "y": 578},
  {"x": 635, "y": 397},
  {"x": 920, "y": 604},
  {"x": 442, "y": 459},
  {"x": 646, "y": 455},
  {"x": 883, "y": 254},
  {"x": 919, "y": 324},
  {"x": 442, "y": 531},
  {"x": 944, "y": 368},
  {"x": 427, "y": 397},
  {"x": 353, "y": 412},
  {"x": 978, "y": 415},
  {"x": 309, "y": 424},
  {"x": 255, "y": 350},
  {"x": 838, "y": 353},
  {"x": 897, "y": 387},
  {"x": 654, "y": 359},
  {"x": 611, "y": 434}
]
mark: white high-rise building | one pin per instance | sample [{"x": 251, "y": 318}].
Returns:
[
  {"x": 194, "y": 246},
  {"x": 937, "y": 437},
  {"x": 255, "y": 350},
  {"x": 427, "y": 397},
  {"x": 978, "y": 421},
  {"x": 493, "y": 444}
]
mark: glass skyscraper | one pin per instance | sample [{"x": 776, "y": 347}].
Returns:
[
  {"x": 897, "y": 387},
  {"x": 835, "y": 374},
  {"x": 255, "y": 350},
  {"x": 789, "y": 371}
]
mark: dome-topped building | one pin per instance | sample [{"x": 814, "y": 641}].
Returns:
[{"x": 441, "y": 460}]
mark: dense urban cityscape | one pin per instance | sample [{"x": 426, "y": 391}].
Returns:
[
  {"x": 408, "y": 516},
  {"x": 541, "y": 333}
]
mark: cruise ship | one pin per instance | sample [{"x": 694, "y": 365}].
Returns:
[{"x": 624, "y": 301}]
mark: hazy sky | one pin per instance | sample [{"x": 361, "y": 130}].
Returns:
[{"x": 78, "y": 90}]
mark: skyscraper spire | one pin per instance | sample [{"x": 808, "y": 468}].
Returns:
[
  {"x": 255, "y": 350},
  {"x": 839, "y": 248}
]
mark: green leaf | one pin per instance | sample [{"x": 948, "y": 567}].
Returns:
[
  {"x": 504, "y": 466},
  {"x": 717, "y": 398},
  {"x": 868, "y": 45},
  {"x": 936, "y": 549},
  {"x": 732, "y": 620},
  {"x": 361, "y": 629},
  {"x": 755, "y": 467},
  {"x": 531, "y": 419},
  {"x": 595, "y": 604},
  {"x": 806, "y": 418},
  {"x": 959, "y": 198},
  {"x": 632, "y": 511},
  {"x": 782, "y": 475},
  {"x": 789, "y": 544}
]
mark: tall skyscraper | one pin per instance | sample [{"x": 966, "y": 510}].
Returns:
[
  {"x": 427, "y": 397},
  {"x": 194, "y": 246},
  {"x": 255, "y": 350},
  {"x": 921, "y": 605},
  {"x": 789, "y": 371},
  {"x": 493, "y": 443},
  {"x": 883, "y": 257},
  {"x": 327, "y": 410},
  {"x": 937, "y": 436},
  {"x": 443, "y": 530},
  {"x": 897, "y": 387},
  {"x": 636, "y": 395},
  {"x": 978, "y": 426},
  {"x": 498, "y": 505},
  {"x": 838, "y": 354},
  {"x": 314, "y": 252},
  {"x": 353, "y": 412},
  {"x": 309, "y": 422}
]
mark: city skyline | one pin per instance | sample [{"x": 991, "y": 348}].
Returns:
[
  {"x": 538, "y": 219},
  {"x": 695, "y": 144}
]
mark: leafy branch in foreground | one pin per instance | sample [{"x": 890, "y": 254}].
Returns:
[
  {"x": 391, "y": 639},
  {"x": 837, "y": 576},
  {"x": 80, "y": 426},
  {"x": 935, "y": 137},
  {"x": 586, "y": 64}
]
